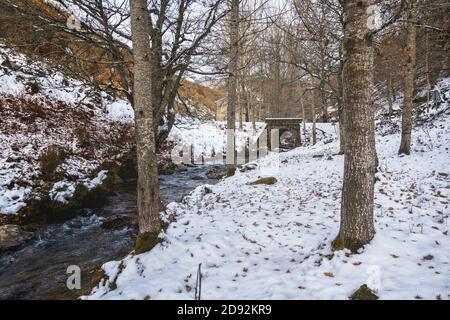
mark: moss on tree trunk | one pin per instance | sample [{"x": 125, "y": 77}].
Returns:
[{"x": 357, "y": 227}]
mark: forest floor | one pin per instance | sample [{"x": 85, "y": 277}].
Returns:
[{"x": 274, "y": 241}]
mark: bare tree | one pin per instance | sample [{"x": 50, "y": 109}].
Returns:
[
  {"x": 147, "y": 184},
  {"x": 405, "y": 144},
  {"x": 178, "y": 30},
  {"x": 320, "y": 30},
  {"x": 314, "y": 118},
  {"x": 357, "y": 227},
  {"x": 232, "y": 86}
]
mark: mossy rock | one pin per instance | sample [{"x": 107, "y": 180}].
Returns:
[
  {"x": 48, "y": 210},
  {"x": 43, "y": 209},
  {"x": 96, "y": 197},
  {"x": 364, "y": 293},
  {"x": 146, "y": 241},
  {"x": 266, "y": 181}
]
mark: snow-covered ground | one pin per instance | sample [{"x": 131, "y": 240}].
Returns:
[
  {"x": 273, "y": 241},
  {"x": 209, "y": 138}
]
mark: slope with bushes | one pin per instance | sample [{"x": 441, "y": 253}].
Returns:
[{"x": 56, "y": 133}]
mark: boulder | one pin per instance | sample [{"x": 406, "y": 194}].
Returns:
[
  {"x": 216, "y": 173},
  {"x": 248, "y": 167},
  {"x": 267, "y": 181},
  {"x": 171, "y": 168},
  {"x": 117, "y": 222},
  {"x": 364, "y": 293},
  {"x": 13, "y": 236}
]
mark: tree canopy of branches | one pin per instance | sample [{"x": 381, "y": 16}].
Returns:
[{"x": 178, "y": 30}]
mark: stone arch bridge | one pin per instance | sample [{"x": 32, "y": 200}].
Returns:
[{"x": 276, "y": 127}]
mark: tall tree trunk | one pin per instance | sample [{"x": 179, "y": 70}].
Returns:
[
  {"x": 147, "y": 184},
  {"x": 445, "y": 72},
  {"x": 393, "y": 92},
  {"x": 276, "y": 111},
  {"x": 341, "y": 114},
  {"x": 157, "y": 81},
  {"x": 357, "y": 227},
  {"x": 240, "y": 108},
  {"x": 405, "y": 144},
  {"x": 302, "y": 105},
  {"x": 340, "y": 98},
  {"x": 232, "y": 86},
  {"x": 314, "y": 119},
  {"x": 254, "y": 119},
  {"x": 247, "y": 96},
  {"x": 247, "y": 109},
  {"x": 427, "y": 68},
  {"x": 341, "y": 130},
  {"x": 389, "y": 96},
  {"x": 323, "y": 99}
]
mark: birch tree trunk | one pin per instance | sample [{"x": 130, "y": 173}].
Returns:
[
  {"x": 232, "y": 86},
  {"x": 147, "y": 184},
  {"x": 357, "y": 227},
  {"x": 405, "y": 144}
]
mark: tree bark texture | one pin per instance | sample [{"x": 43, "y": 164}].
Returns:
[
  {"x": 147, "y": 184},
  {"x": 405, "y": 144},
  {"x": 357, "y": 227},
  {"x": 232, "y": 86}
]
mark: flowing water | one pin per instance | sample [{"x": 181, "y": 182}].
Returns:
[{"x": 38, "y": 270}]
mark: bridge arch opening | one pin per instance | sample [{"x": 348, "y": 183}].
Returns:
[
  {"x": 287, "y": 138},
  {"x": 288, "y": 132}
]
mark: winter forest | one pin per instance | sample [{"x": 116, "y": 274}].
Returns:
[{"x": 224, "y": 150}]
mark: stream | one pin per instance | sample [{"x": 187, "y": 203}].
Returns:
[{"x": 38, "y": 270}]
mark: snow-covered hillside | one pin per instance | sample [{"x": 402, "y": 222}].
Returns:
[
  {"x": 53, "y": 123},
  {"x": 273, "y": 241}
]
